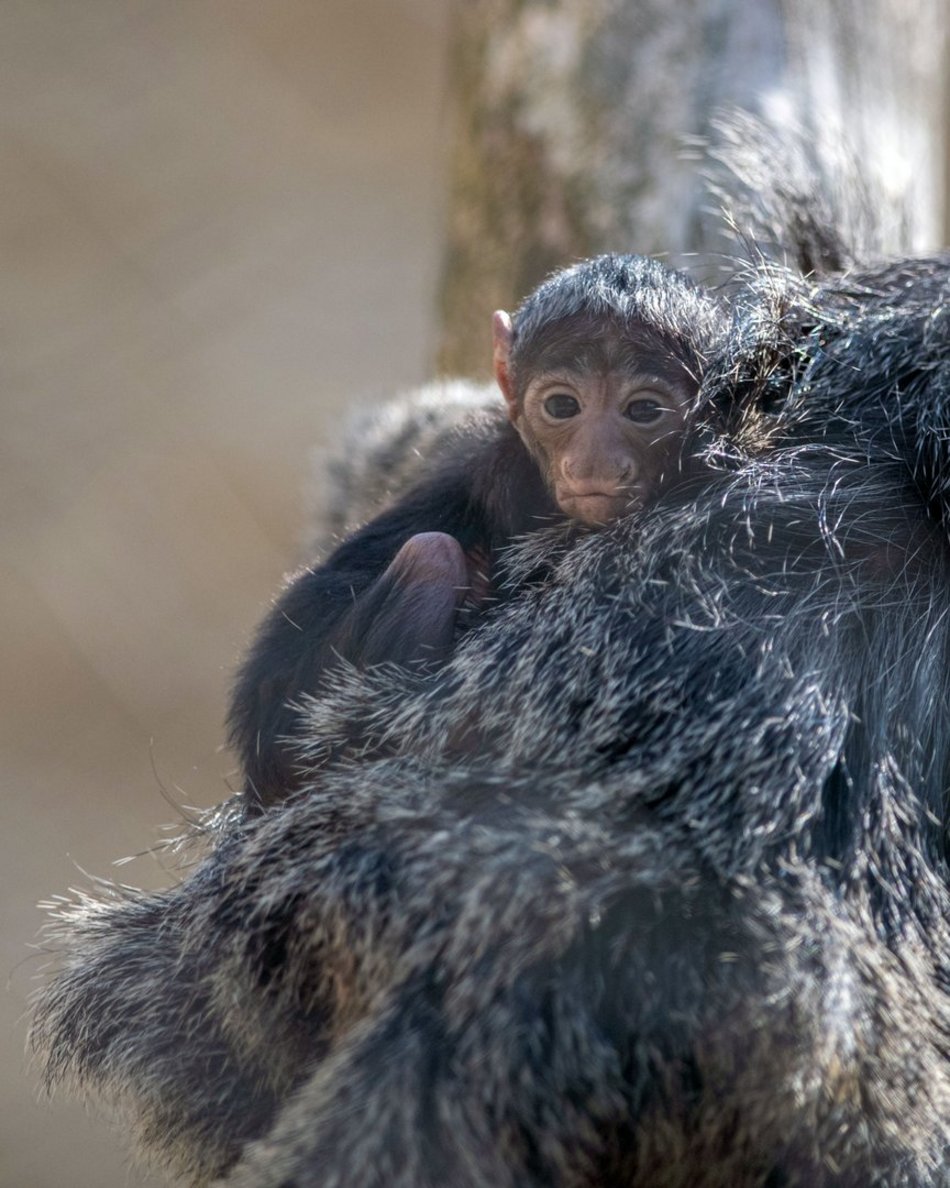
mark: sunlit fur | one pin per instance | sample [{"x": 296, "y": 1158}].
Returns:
[{"x": 647, "y": 886}]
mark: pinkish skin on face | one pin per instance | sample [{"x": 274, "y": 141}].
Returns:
[{"x": 607, "y": 453}]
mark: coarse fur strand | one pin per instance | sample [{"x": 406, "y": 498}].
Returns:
[
  {"x": 465, "y": 478},
  {"x": 648, "y": 884}
]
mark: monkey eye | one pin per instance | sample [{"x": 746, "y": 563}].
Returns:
[
  {"x": 561, "y": 406},
  {"x": 644, "y": 412}
]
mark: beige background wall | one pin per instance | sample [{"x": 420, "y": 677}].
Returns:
[{"x": 219, "y": 227}]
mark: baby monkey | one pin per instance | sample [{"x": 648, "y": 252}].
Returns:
[
  {"x": 598, "y": 401},
  {"x": 598, "y": 369}
]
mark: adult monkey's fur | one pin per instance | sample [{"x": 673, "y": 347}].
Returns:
[{"x": 648, "y": 886}]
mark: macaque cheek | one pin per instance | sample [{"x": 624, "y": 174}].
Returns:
[{"x": 544, "y": 457}]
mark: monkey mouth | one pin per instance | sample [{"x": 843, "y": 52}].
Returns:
[{"x": 595, "y": 507}]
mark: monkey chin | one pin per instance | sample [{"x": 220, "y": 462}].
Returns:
[{"x": 597, "y": 509}]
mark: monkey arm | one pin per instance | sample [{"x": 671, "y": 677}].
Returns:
[
  {"x": 408, "y": 614},
  {"x": 388, "y": 593}
]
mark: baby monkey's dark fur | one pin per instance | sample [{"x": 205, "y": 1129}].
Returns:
[{"x": 392, "y": 591}]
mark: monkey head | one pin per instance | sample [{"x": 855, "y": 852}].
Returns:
[
  {"x": 603, "y": 417},
  {"x": 599, "y": 368}
]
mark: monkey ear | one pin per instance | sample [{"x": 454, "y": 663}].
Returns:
[{"x": 501, "y": 341}]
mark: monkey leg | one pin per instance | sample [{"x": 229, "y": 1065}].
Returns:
[{"x": 408, "y": 614}]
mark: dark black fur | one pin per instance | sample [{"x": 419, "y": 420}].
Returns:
[
  {"x": 599, "y": 295},
  {"x": 484, "y": 490},
  {"x": 650, "y": 886},
  {"x": 484, "y": 493}
]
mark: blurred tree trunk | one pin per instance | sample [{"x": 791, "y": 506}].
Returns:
[{"x": 573, "y": 120}]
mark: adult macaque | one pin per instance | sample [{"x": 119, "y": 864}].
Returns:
[{"x": 597, "y": 368}]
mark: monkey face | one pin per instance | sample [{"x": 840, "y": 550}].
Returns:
[
  {"x": 606, "y": 442},
  {"x": 601, "y": 408}
]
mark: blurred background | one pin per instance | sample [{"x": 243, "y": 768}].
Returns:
[
  {"x": 226, "y": 223},
  {"x": 220, "y": 227}
]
